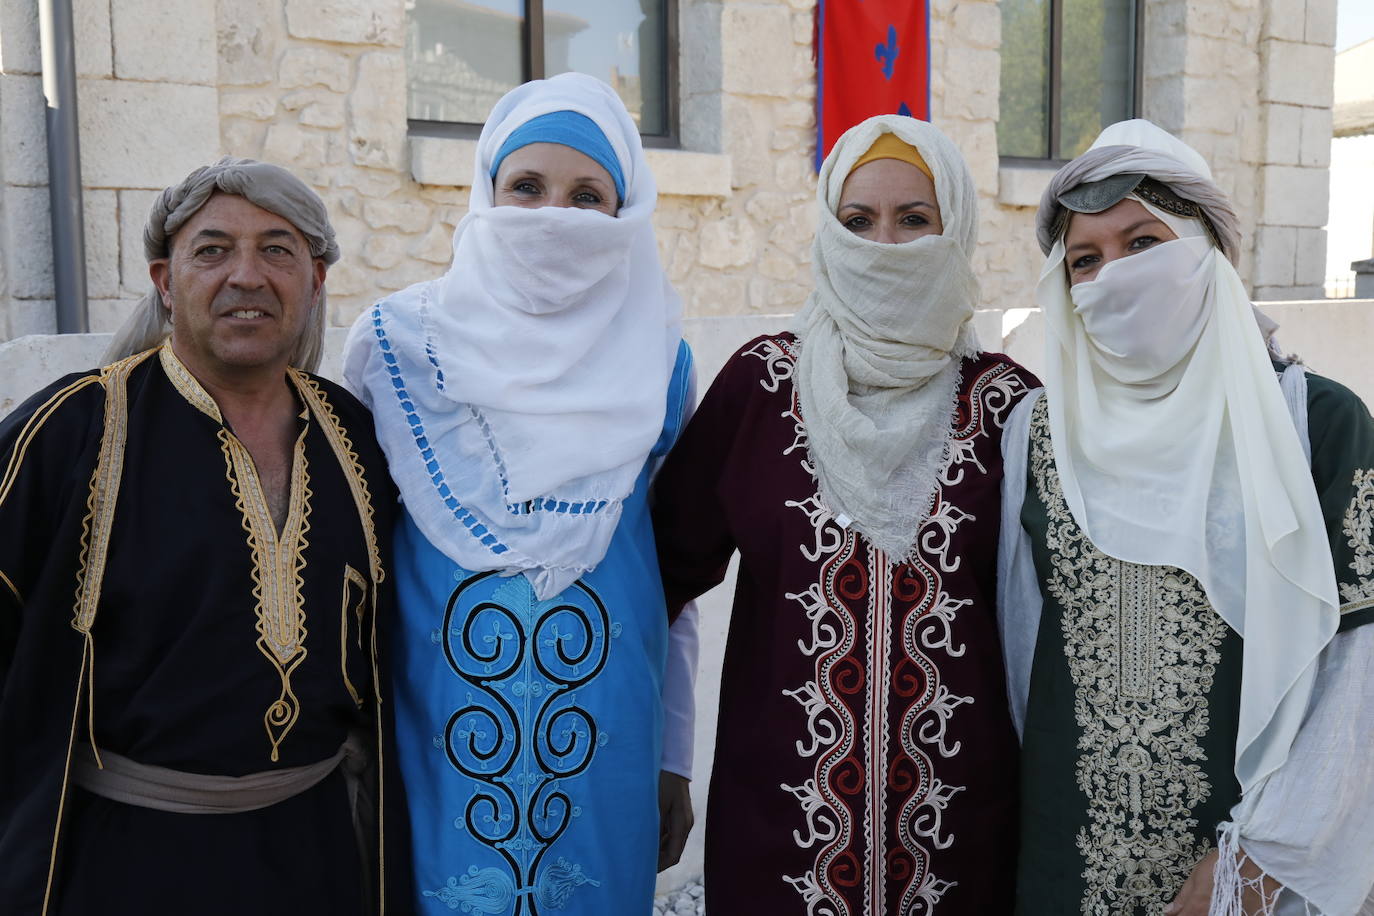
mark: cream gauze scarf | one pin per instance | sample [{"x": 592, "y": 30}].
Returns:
[
  {"x": 1175, "y": 447},
  {"x": 517, "y": 397},
  {"x": 882, "y": 336}
]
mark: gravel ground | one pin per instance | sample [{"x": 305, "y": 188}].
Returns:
[{"x": 687, "y": 900}]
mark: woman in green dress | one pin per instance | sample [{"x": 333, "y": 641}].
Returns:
[{"x": 1185, "y": 568}]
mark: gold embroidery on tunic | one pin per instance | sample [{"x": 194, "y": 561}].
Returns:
[
  {"x": 277, "y": 565},
  {"x": 353, "y": 583},
  {"x": 14, "y": 589},
  {"x": 1142, "y": 645},
  {"x": 1357, "y": 527},
  {"x": 95, "y": 540},
  {"x": 34, "y": 424}
]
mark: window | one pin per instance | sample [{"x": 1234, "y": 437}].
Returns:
[
  {"x": 463, "y": 55},
  {"x": 1069, "y": 68}
]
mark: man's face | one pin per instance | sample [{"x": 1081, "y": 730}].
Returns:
[{"x": 240, "y": 283}]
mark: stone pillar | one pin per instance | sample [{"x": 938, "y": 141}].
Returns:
[{"x": 1296, "y": 92}]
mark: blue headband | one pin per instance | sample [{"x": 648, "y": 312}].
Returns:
[{"x": 570, "y": 129}]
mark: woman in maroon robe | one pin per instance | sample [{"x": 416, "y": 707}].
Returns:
[{"x": 865, "y": 760}]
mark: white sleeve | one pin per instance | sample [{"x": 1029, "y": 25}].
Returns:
[
  {"x": 679, "y": 693},
  {"x": 1310, "y": 824},
  {"x": 1019, "y": 603}
]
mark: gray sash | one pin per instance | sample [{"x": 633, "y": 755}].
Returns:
[{"x": 146, "y": 786}]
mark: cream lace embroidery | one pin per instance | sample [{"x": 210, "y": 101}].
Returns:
[
  {"x": 1357, "y": 526},
  {"x": 1142, "y": 646}
]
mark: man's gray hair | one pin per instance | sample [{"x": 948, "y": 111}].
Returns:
[{"x": 262, "y": 184}]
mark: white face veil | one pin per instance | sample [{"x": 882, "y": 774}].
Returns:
[
  {"x": 882, "y": 336},
  {"x": 518, "y": 396},
  {"x": 1173, "y": 442}
]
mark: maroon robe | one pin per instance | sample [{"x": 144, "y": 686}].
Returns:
[{"x": 865, "y": 759}]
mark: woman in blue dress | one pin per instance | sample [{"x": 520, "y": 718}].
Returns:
[{"x": 522, "y": 401}]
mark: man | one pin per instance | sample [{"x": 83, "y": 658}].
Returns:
[{"x": 192, "y": 544}]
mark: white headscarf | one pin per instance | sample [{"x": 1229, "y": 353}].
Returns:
[
  {"x": 518, "y": 396},
  {"x": 882, "y": 335},
  {"x": 1174, "y": 445}
]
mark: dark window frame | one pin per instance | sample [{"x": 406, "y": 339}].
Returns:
[
  {"x": 532, "y": 67},
  {"x": 1056, "y": 84}
]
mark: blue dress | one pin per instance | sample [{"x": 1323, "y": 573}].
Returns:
[{"x": 529, "y": 731}]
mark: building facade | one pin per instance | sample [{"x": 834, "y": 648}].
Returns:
[{"x": 321, "y": 86}]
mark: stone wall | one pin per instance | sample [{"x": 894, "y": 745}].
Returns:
[
  {"x": 319, "y": 86},
  {"x": 325, "y": 96},
  {"x": 148, "y": 115}
]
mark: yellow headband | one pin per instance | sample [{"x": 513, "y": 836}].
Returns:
[{"x": 891, "y": 146}]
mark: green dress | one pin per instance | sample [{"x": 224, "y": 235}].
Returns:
[{"x": 1129, "y": 742}]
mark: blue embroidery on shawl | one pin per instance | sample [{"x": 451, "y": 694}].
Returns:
[
  {"x": 521, "y": 734},
  {"x": 417, "y": 429}
]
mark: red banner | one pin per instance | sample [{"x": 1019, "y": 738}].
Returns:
[{"x": 872, "y": 58}]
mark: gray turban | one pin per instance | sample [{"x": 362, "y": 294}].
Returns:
[
  {"x": 262, "y": 184},
  {"x": 1090, "y": 182}
]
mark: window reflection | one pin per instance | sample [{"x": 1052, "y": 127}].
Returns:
[
  {"x": 1023, "y": 127},
  {"x": 1098, "y": 70},
  {"x": 619, "y": 41},
  {"x": 461, "y": 57}
]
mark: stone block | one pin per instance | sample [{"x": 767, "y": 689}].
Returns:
[
  {"x": 28, "y": 227},
  {"x": 145, "y": 135},
  {"x": 107, "y": 315},
  {"x": 1309, "y": 269},
  {"x": 377, "y": 122},
  {"x": 27, "y": 245},
  {"x": 310, "y": 66},
  {"x": 978, "y": 25},
  {"x": 23, "y": 139},
  {"x": 250, "y": 35},
  {"x": 239, "y": 137},
  {"x": 100, "y": 214},
  {"x": 1276, "y": 251},
  {"x": 328, "y": 114},
  {"x": 748, "y": 68},
  {"x": 21, "y": 47},
  {"x": 718, "y": 294},
  {"x": 435, "y": 246},
  {"x": 133, "y": 263},
  {"x": 1297, "y": 74},
  {"x": 1283, "y": 134},
  {"x": 442, "y": 160},
  {"x": 1320, "y": 26},
  {"x": 1285, "y": 20},
  {"x": 1022, "y": 186},
  {"x": 687, "y": 174},
  {"x": 27, "y": 317},
  {"x": 748, "y": 135},
  {"x": 407, "y": 215},
  {"x": 383, "y": 251},
  {"x": 1294, "y": 196},
  {"x": 356, "y": 22},
  {"x": 256, "y": 106},
  {"x": 972, "y": 83},
  {"x": 1316, "y": 137},
  {"x": 150, "y": 44},
  {"x": 727, "y": 243},
  {"x": 293, "y": 146}
]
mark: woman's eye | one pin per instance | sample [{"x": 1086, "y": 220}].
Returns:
[
  {"x": 1083, "y": 263},
  {"x": 1140, "y": 243},
  {"x": 857, "y": 223},
  {"x": 525, "y": 187},
  {"x": 914, "y": 219},
  {"x": 588, "y": 198}
]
